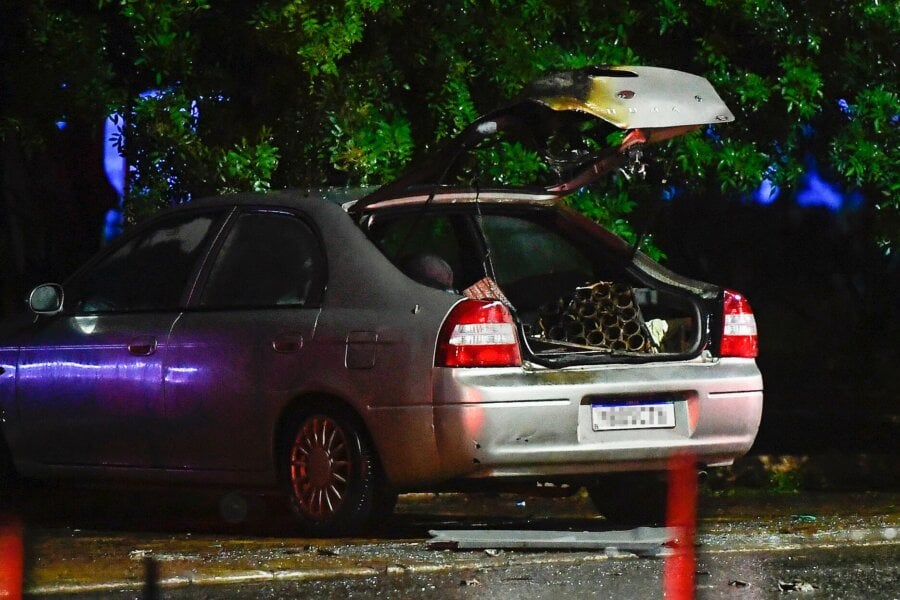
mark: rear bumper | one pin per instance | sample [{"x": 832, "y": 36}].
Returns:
[{"x": 536, "y": 424}]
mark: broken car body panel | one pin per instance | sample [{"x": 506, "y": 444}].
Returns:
[{"x": 633, "y": 97}]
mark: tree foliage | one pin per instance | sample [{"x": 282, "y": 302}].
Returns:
[{"x": 277, "y": 93}]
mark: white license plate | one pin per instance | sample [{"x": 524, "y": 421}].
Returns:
[{"x": 605, "y": 417}]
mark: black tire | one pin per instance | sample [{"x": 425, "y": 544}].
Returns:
[
  {"x": 387, "y": 502},
  {"x": 331, "y": 472},
  {"x": 631, "y": 499},
  {"x": 383, "y": 513}
]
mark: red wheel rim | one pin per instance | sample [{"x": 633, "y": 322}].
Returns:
[{"x": 320, "y": 467}]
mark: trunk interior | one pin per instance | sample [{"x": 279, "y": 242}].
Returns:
[
  {"x": 608, "y": 318},
  {"x": 579, "y": 293}
]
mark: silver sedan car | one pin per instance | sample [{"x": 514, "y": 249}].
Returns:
[{"x": 435, "y": 334}]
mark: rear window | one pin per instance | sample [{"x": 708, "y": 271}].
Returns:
[
  {"x": 534, "y": 254},
  {"x": 521, "y": 249}
]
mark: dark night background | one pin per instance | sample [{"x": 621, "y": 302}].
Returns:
[{"x": 826, "y": 304}]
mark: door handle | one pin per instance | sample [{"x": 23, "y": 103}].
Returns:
[
  {"x": 142, "y": 346},
  {"x": 288, "y": 343}
]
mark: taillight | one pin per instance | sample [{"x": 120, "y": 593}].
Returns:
[
  {"x": 738, "y": 327},
  {"x": 478, "y": 334}
]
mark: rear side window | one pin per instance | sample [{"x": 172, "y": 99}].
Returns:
[
  {"x": 149, "y": 272},
  {"x": 419, "y": 241},
  {"x": 267, "y": 259},
  {"x": 419, "y": 234}
]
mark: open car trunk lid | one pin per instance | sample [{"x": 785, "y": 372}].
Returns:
[
  {"x": 649, "y": 98},
  {"x": 652, "y": 104},
  {"x": 627, "y": 309}
]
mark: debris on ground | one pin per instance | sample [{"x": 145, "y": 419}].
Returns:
[
  {"x": 643, "y": 541},
  {"x": 796, "y": 585},
  {"x": 803, "y": 518}
]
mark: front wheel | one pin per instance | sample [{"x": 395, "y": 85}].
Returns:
[{"x": 331, "y": 473}]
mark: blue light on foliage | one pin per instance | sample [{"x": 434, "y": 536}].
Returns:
[
  {"x": 767, "y": 192},
  {"x": 816, "y": 192},
  {"x": 845, "y": 108},
  {"x": 854, "y": 200},
  {"x": 113, "y": 162},
  {"x": 61, "y": 125},
  {"x": 112, "y": 224},
  {"x": 711, "y": 134},
  {"x": 670, "y": 192},
  {"x": 813, "y": 192}
]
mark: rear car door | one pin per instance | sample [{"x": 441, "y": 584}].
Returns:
[
  {"x": 241, "y": 347},
  {"x": 90, "y": 378}
]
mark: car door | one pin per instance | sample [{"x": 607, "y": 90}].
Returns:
[
  {"x": 240, "y": 349},
  {"x": 89, "y": 384}
]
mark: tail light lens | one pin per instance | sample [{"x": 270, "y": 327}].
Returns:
[
  {"x": 738, "y": 327},
  {"x": 478, "y": 334}
]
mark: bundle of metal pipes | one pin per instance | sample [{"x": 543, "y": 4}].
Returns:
[{"x": 600, "y": 315}]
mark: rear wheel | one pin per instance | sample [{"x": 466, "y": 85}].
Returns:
[
  {"x": 331, "y": 472},
  {"x": 631, "y": 499}
]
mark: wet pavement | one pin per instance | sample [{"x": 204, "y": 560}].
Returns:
[
  {"x": 865, "y": 573},
  {"x": 751, "y": 544}
]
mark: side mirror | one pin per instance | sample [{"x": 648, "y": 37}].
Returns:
[{"x": 46, "y": 299}]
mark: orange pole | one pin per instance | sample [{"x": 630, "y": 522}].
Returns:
[
  {"x": 681, "y": 517},
  {"x": 12, "y": 552}
]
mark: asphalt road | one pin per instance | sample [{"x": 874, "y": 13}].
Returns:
[
  {"x": 89, "y": 544},
  {"x": 863, "y": 572}
]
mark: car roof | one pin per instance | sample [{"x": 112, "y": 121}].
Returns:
[
  {"x": 444, "y": 195},
  {"x": 308, "y": 200},
  {"x": 286, "y": 197},
  {"x": 328, "y": 199}
]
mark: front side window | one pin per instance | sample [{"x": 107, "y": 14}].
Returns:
[
  {"x": 267, "y": 259},
  {"x": 149, "y": 272}
]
